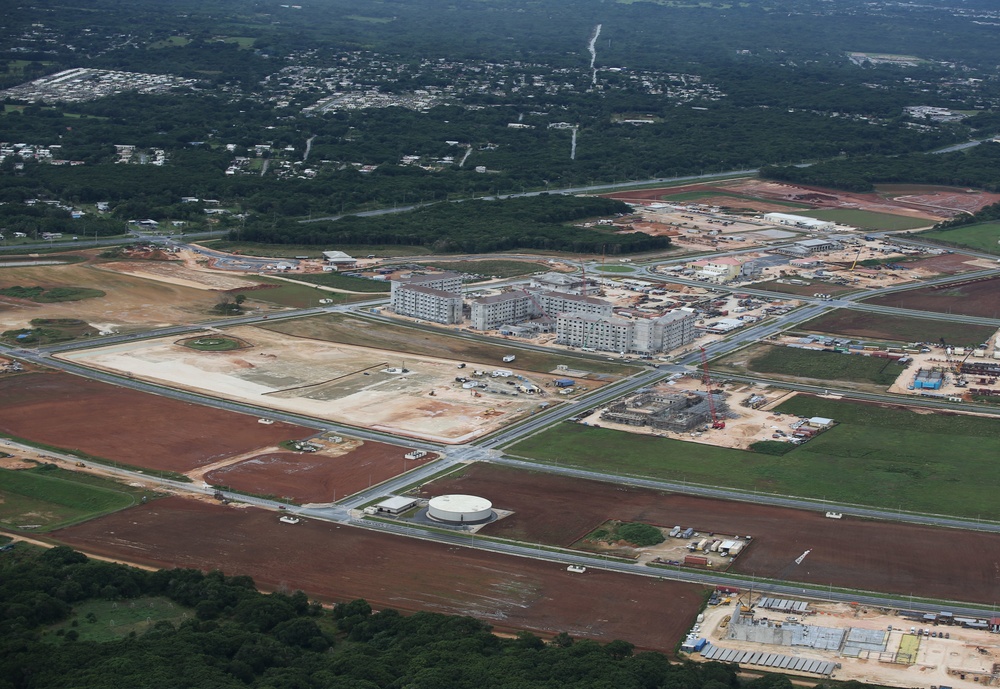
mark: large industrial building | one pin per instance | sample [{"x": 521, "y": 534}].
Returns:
[
  {"x": 802, "y": 221},
  {"x": 724, "y": 269},
  {"x": 808, "y": 247},
  {"x": 436, "y": 297}
]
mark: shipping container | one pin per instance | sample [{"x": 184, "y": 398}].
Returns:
[{"x": 695, "y": 560}]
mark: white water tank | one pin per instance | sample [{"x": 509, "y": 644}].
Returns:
[{"x": 460, "y": 509}]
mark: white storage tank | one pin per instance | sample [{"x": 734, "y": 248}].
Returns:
[{"x": 460, "y": 509}]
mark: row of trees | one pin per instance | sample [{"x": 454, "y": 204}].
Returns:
[{"x": 238, "y": 638}]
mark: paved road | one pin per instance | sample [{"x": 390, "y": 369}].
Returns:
[{"x": 487, "y": 449}]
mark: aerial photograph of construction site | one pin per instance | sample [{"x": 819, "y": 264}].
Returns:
[{"x": 773, "y": 444}]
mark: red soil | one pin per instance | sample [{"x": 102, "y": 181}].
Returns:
[
  {"x": 974, "y": 299},
  {"x": 872, "y": 555},
  {"x": 310, "y": 478},
  {"x": 335, "y": 563},
  {"x": 127, "y": 426}
]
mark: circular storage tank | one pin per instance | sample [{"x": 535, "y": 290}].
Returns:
[{"x": 460, "y": 509}]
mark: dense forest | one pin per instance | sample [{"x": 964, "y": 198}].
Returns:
[
  {"x": 539, "y": 223},
  {"x": 975, "y": 167},
  {"x": 227, "y": 635}
]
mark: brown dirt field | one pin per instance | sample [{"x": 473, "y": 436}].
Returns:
[
  {"x": 812, "y": 288},
  {"x": 335, "y": 563},
  {"x": 863, "y": 325},
  {"x": 945, "y": 264},
  {"x": 126, "y": 426},
  {"x": 315, "y": 478},
  {"x": 830, "y": 198},
  {"x": 976, "y": 299},
  {"x": 872, "y": 555}
]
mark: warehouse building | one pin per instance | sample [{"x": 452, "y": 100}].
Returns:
[{"x": 802, "y": 221}]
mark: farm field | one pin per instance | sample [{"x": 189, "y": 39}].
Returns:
[
  {"x": 894, "y": 458},
  {"x": 885, "y": 327},
  {"x": 379, "y": 389},
  {"x": 808, "y": 290},
  {"x": 364, "y": 332},
  {"x": 315, "y": 477},
  {"x": 126, "y": 427},
  {"x": 982, "y": 237},
  {"x": 129, "y": 302},
  {"x": 706, "y": 194},
  {"x": 868, "y": 220},
  {"x": 980, "y": 298},
  {"x": 855, "y": 553},
  {"x": 48, "y": 498},
  {"x": 817, "y": 365},
  {"x": 292, "y": 295},
  {"x": 339, "y": 563}
]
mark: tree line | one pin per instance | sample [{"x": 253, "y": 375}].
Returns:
[
  {"x": 540, "y": 223},
  {"x": 235, "y": 637}
]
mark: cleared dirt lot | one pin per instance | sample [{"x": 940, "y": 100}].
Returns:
[
  {"x": 336, "y": 563},
  {"x": 130, "y": 302},
  {"x": 980, "y": 298},
  {"x": 343, "y": 383},
  {"x": 126, "y": 426},
  {"x": 315, "y": 477},
  {"x": 878, "y": 556}
]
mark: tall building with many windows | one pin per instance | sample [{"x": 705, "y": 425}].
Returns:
[
  {"x": 436, "y": 297},
  {"x": 641, "y": 336}
]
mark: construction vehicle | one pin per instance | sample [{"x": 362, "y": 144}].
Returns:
[
  {"x": 717, "y": 423},
  {"x": 856, "y": 257}
]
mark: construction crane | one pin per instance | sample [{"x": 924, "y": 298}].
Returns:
[
  {"x": 716, "y": 421},
  {"x": 856, "y": 257}
]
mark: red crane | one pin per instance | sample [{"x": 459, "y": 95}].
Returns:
[{"x": 716, "y": 421}]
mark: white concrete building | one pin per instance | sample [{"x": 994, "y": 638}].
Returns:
[
  {"x": 642, "y": 336},
  {"x": 802, "y": 221},
  {"x": 507, "y": 308},
  {"x": 558, "y": 282},
  {"x": 436, "y": 297},
  {"x": 555, "y": 303}
]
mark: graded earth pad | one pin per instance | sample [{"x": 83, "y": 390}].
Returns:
[
  {"x": 860, "y": 324},
  {"x": 316, "y": 477},
  {"x": 340, "y": 563},
  {"x": 370, "y": 388},
  {"x": 860, "y": 554},
  {"x": 122, "y": 425},
  {"x": 974, "y": 298},
  {"x": 129, "y": 302}
]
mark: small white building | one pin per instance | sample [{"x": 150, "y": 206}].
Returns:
[{"x": 802, "y": 221}]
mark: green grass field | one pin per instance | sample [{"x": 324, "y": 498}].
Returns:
[
  {"x": 104, "y": 620},
  {"x": 213, "y": 344},
  {"x": 983, "y": 237},
  {"x": 821, "y": 365},
  {"x": 51, "y": 295},
  {"x": 428, "y": 341},
  {"x": 345, "y": 282},
  {"x": 44, "y": 498},
  {"x": 869, "y": 220},
  {"x": 891, "y": 458},
  {"x": 297, "y": 296},
  {"x": 616, "y": 269},
  {"x": 499, "y": 268}
]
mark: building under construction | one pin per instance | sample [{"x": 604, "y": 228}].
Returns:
[{"x": 673, "y": 412}]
